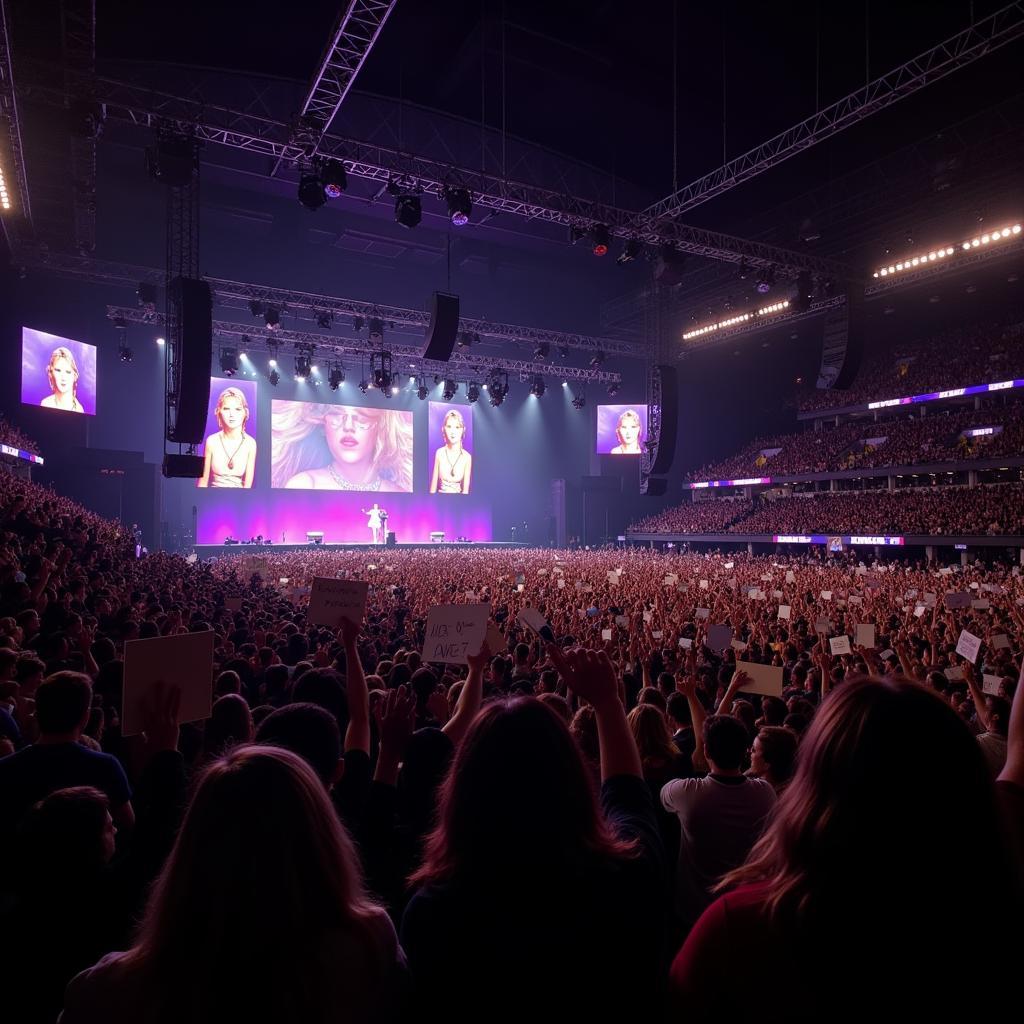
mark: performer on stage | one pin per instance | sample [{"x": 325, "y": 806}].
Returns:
[{"x": 373, "y": 520}]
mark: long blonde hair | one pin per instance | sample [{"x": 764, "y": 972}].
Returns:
[
  {"x": 298, "y": 443},
  {"x": 226, "y": 394},
  {"x": 63, "y": 353}
]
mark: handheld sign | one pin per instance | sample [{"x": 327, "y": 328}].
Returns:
[
  {"x": 185, "y": 661},
  {"x": 719, "y": 636},
  {"x": 534, "y": 620},
  {"x": 865, "y": 634},
  {"x": 784, "y": 611},
  {"x": 332, "y": 600},
  {"x": 968, "y": 646},
  {"x": 839, "y": 644},
  {"x": 453, "y": 631},
  {"x": 991, "y": 684},
  {"x": 233, "y": 604},
  {"x": 495, "y": 639},
  {"x": 764, "y": 679}
]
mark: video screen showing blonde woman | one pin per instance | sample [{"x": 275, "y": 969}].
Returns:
[
  {"x": 325, "y": 447},
  {"x": 451, "y": 448},
  {"x": 57, "y": 373},
  {"x": 621, "y": 429},
  {"x": 229, "y": 452}
]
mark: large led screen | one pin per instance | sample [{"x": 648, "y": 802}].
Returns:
[
  {"x": 319, "y": 446},
  {"x": 621, "y": 429},
  {"x": 57, "y": 373},
  {"x": 451, "y": 447},
  {"x": 229, "y": 450}
]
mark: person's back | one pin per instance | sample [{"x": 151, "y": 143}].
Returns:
[
  {"x": 531, "y": 901},
  {"x": 720, "y": 816}
]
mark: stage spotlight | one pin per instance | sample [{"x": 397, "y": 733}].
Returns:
[
  {"x": 744, "y": 272},
  {"x": 576, "y": 233},
  {"x": 538, "y": 387},
  {"x": 422, "y": 391},
  {"x": 450, "y": 390},
  {"x": 460, "y": 206},
  {"x": 245, "y": 343},
  {"x": 464, "y": 340},
  {"x": 302, "y": 367},
  {"x": 161, "y": 341},
  {"x": 630, "y": 251},
  {"x": 579, "y": 401},
  {"x": 337, "y": 377},
  {"x": 472, "y": 392},
  {"x": 229, "y": 361},
  {"x": 542, "y": 351},
  {"x": 382, "y": 380},
  {"x": 408, "y": 210},
  {"x": 563, "y": 351},
  {"x": 597, "y": 359},
  {"x": 600, "y": 236},
  {"x": 324, "y": 321},
  {"x": 256, "y": 308},
  {"x": 124, "y": 353},
  {"x": 565, "y": 383},
  {"x": 357, "y": 324},
  {"x": 364, "y": 386},
  {"x": 376, "y": 330},
  {"x": 334, "y": 178},
  {"x": 766, "y": 281},
  {"x": 272, "y": 318},
  {"x": 311, "y": 191},
  {"x": 273, "y": 377},
  {"x": 613, "y": 389}
]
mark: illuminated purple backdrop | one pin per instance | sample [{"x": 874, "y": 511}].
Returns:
[
  {"x": 36, "y": 349},
  {"x": 607, "y": 420},
  {"x": 245, "y": 514}
]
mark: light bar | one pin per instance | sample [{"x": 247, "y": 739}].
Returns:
[
  {"x": 18, "y": 453},
  {"x": 817, "y": 538},
  {"x": 944, "y": 252},
  {"x": 740, "y": 318},
  {"x": 934, "y": 396},
  {"x": 732, "y": 483},
  {"x": 5, "y": 196}
]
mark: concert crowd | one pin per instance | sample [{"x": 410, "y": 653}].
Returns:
[{"x": 611, "y": 818}]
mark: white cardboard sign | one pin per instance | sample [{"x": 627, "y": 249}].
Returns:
[
  {"x": 865, "y": 634},
  {"x": 968, "y": 646},
  {"x": 764, "y": 679},
  {"x": 839, "y": 644},
  {"x": 332, "y": 600},
  {"x": 453, "y": 631}
]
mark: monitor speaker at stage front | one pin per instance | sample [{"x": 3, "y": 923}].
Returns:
[
  {"x": 390, "y": 540},
  {"x": 444, "y": 327},
  {"x": 669, "y": 386},
  {"x": 192, "y": 310}
]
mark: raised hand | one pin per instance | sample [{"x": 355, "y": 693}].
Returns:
[{"x": 589, "y": 674}]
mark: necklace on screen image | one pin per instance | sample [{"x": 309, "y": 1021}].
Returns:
[
  {"x": 346, "y": 485},
  {"x": 231, "y": 455},
  {"x": 452, "y": 464}
]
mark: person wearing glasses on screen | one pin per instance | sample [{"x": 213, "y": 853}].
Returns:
[
  {"x": 453, "y": 465},
  {"x": 340, "y": 448},
  {"x": 230, "y": 459},
  {"x": 62, "y": 373},
  {"x": 628, "y": 431}
]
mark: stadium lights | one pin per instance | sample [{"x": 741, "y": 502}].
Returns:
[
  {"x": 944, "y": 252},
  {"x": 739, "y": 318},
  {"x": 5, "y": 196}
]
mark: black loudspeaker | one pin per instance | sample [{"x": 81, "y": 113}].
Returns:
[
  {"x": 188, "y": 466},
  {"x": 390, "y": 540},
  {"x": 655, "y": 487},
  {"x": 842, "y": 344},
  {"x": 193, "y": 312},
  {"x": 444, "y": 326},
  {"x": 669, "y": 420}
]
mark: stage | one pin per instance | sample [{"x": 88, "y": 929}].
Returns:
[{"x": 218, "y": 550}]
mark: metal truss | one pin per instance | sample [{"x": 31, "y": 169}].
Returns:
[
  {"x": 959, "y": 261},
  {"x": 357, "y": 30},
  {"x": 14, "y": 164},
  {"x": 412, "y": 361},
  {"x": 307, "y": 305},
  {"x": 974, "y": 42},
  {"x": 265, "y": 136},
  {"x": 78, "y": 34}
]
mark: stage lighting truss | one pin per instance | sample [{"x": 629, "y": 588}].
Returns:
[
  {"x": 944, "y": 254},
  {"x": 337, "y": 376},
  {"x": 538, "y": 387},
  {"x": 460, "y": 205},
  {"x": 450, "y": 390},
  {"x": 579, "y": 400},
  {"x": 472, "y": 392},
  {"x": 740, "y": 318}
]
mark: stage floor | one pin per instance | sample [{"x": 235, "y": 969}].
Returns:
[{"x": 216, "y": 550}]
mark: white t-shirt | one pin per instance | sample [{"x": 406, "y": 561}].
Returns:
[{"x": 720, "y": 819}]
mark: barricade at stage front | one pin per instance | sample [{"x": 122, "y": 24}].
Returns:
[{"x": 219, "y": 550}]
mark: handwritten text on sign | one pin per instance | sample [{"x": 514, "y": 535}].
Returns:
[
  {"x": 453, "y": 631},
  {"x": 333, "y": 600}
]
